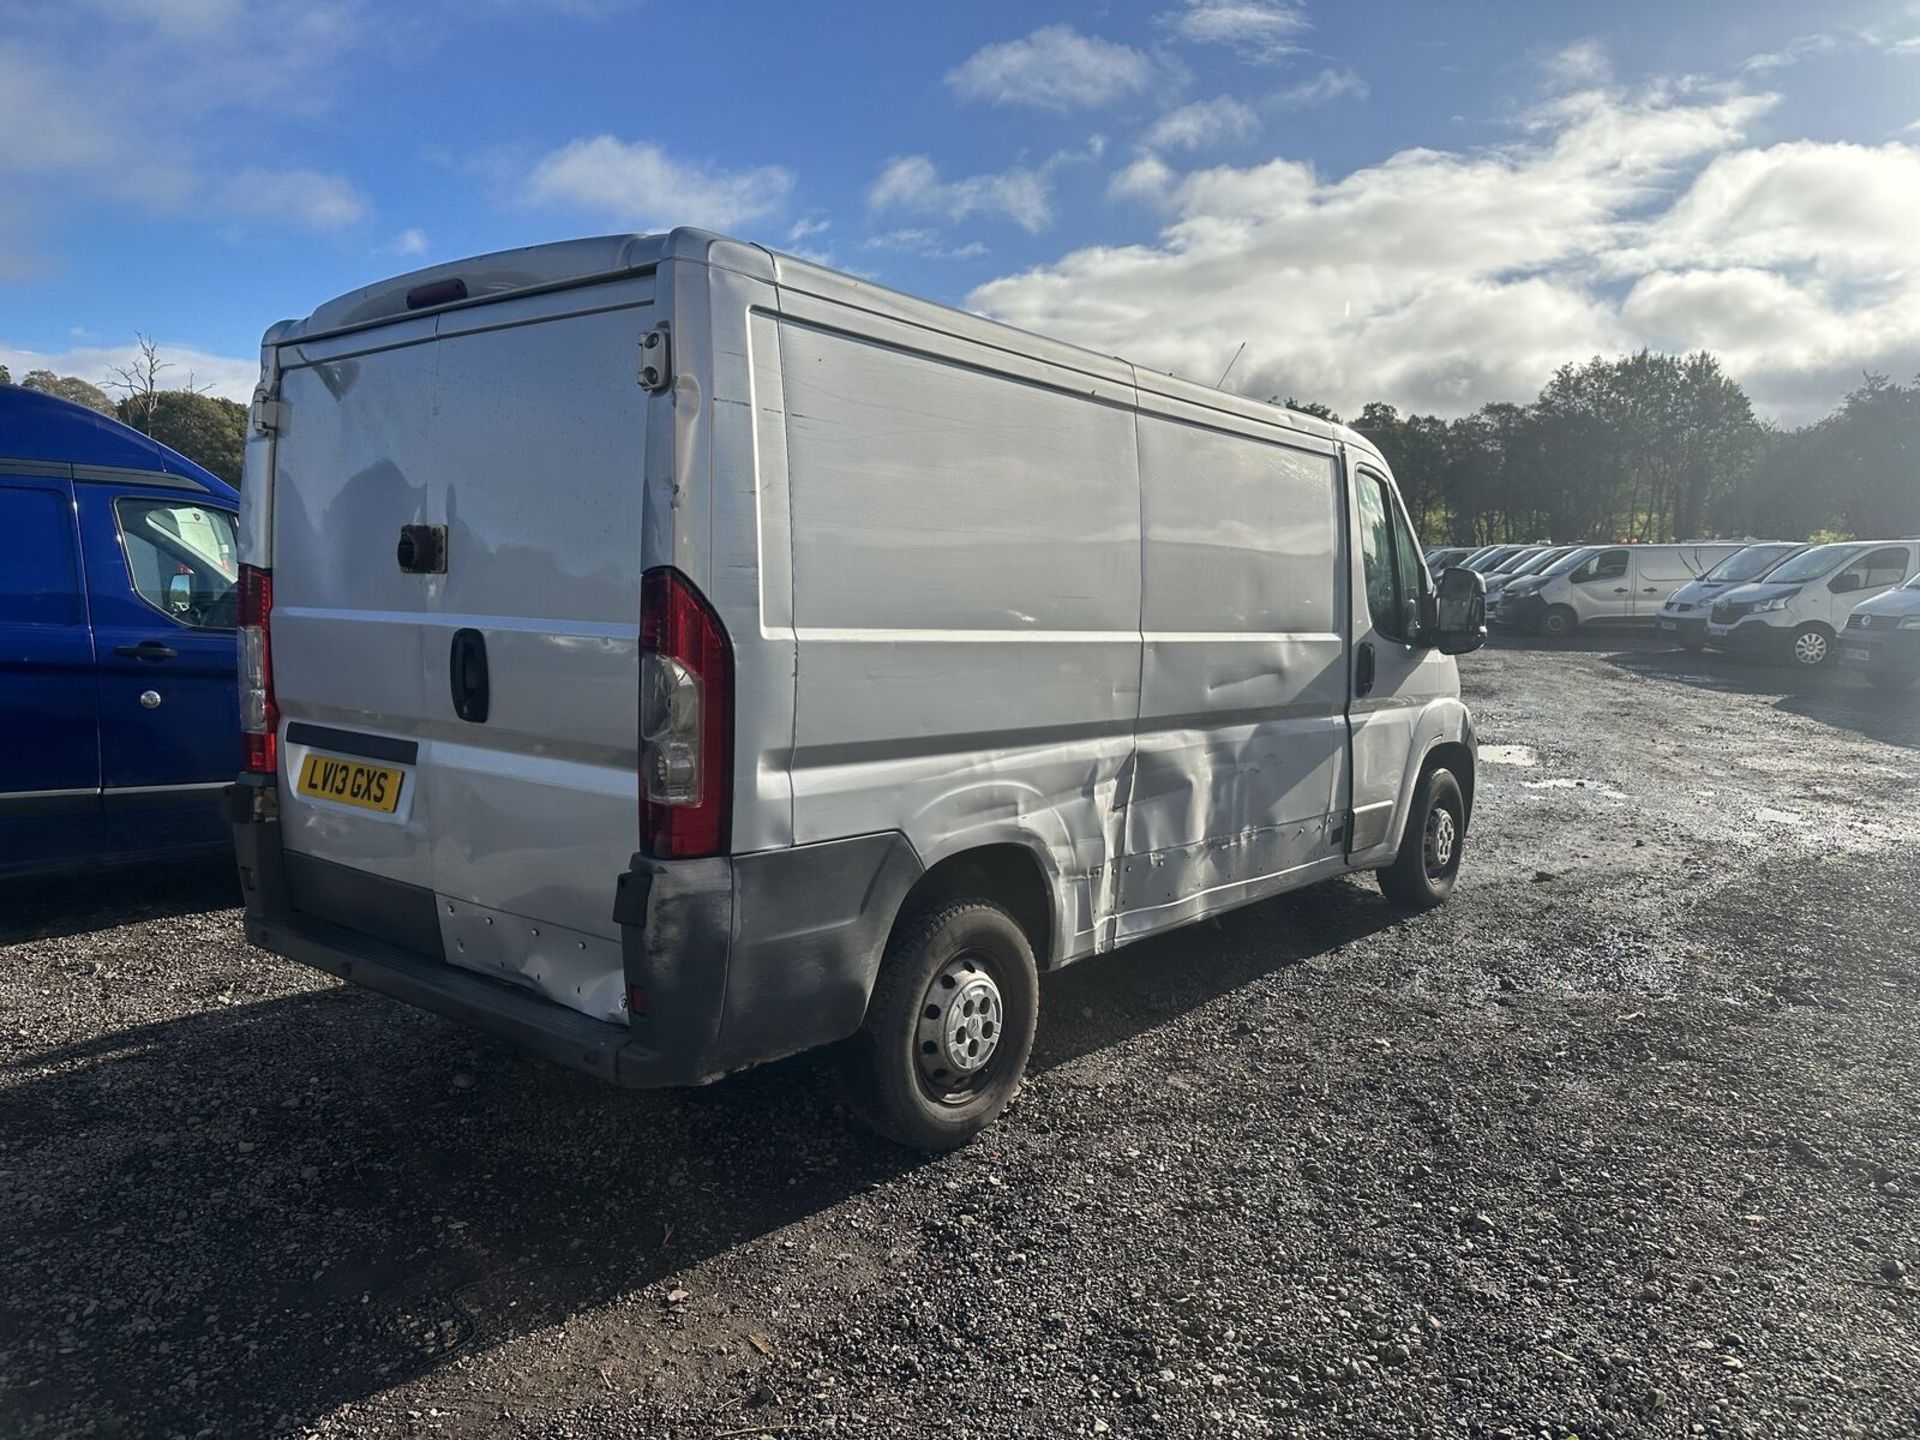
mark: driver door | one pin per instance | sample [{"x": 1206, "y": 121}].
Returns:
[
  {"x": 161, "y": 568},
  {"x": 1395, "y": 669}
]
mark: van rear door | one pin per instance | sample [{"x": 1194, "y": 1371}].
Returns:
[{"x": 491, "y": 670}]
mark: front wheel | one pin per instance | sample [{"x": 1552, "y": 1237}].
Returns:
[
  {"x": 1423, "y": 874},
  {"x": 1559, "y": 622},
  {"x": 1812, "y": 647},
  {"x": 949, "y": 1026}
]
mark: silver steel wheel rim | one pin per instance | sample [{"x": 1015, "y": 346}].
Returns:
[
  {"x": 1811, "y": 648},
  {"x": 962, "y": 1018},
  {"x": 1442, "y": 836}
]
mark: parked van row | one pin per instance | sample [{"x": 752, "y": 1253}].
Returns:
[{"x": 1801, "y": 603}]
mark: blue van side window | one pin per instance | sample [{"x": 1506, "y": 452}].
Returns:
[{"x": 39, "y": 576}]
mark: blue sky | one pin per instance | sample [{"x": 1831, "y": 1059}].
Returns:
[{"x": 1427, "y": 203}]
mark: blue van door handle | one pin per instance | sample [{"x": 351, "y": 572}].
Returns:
[{"x": 147, "y": 650}]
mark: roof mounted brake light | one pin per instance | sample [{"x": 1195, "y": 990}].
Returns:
[{"x": 436, "y": 292}]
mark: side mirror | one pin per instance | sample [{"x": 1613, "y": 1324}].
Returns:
[
  {"x": 1844, "y": 584},
  {"x": 1460, "y": 612},
  {"x": 180, "y": 594}
]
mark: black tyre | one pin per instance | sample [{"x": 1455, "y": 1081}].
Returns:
[
  {"x": 1892, "y": 679},
  {"x": 1423, "y": 874},
  {"x": 1559, "y": 622},
  {"x": 949, "y": 1026},
  {"x": 1811, "y": 647}
]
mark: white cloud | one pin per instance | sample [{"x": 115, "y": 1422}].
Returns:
[
  {"x": 1909, "y": 46},
  {"x": 1258, "y": 30},
  {"x": 927, "y": 244},
  {"x": 1327, "y": 86},
  {"x": 1439, "y": 279},
  {"x": 637, "y": 183},
  {"x": 1203, "y": 123},
  {"x": 1148, "y": 178},
  {"x": 1792, "y": 53},
  {"x": 912, "y": 184},
  {"x": 807, "y": 226},
  {"x": 1584, "y": 62},
  {"x": 297, "y": 197},
  {"x": 230, "y": 377},
  {"x": 411, "y": 241},
  {"x": 1054, "y": 68}
]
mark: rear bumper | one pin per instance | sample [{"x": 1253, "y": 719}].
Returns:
[{"x": 735, "y": 960}]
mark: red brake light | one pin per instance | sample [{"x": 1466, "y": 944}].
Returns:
[
  {"x": 259, "y": 715},
  {"x": 686, "y": 720}
]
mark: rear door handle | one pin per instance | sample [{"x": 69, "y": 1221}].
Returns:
[
  {"x": 147, "y": 650},
  {"x": 467, "y": 676}
]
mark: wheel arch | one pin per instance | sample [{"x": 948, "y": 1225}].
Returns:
[{"x": 1008, "y": 873}]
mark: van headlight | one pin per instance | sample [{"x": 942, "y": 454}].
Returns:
[
  {"x": 1779, "y": 602},
  {"x": 1909, "y": 622}
]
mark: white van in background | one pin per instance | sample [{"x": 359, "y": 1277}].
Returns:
[
  {"x": 671, "y": 655},
  {"x": 1613, "y": 585},
  {"x": 1796, "y": 612},
  {"x": 1683, "y": 617}
]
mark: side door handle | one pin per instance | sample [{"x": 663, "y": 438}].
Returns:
[
  {"x": 1364, "y": 669},
  {"x": 146, "y": 650},
  {"x": 467, "y": 676},
  {"x": 1620, "y": 589}
]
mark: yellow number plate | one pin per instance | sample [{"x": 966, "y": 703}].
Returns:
[{"x": 351, "y": 782}]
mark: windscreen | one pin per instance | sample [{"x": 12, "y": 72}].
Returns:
[
  {"x": 1537, "y": 563},
  {"x": 1514, "y": 564},
  {"x": 1815, "y": 563},
  {"x": 1570, "y": 560},
  {"x": 1748, "y": 564},
  {"x": 1485, "y": 563}
]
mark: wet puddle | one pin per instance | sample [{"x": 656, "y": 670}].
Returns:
[
  {"x": 1524, "y": 755},
  {"x": 1591, "y": 786}
]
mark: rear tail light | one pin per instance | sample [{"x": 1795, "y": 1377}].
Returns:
[
  {"x": 259, "y": 715},
  {"x": 686, "y": 720}
]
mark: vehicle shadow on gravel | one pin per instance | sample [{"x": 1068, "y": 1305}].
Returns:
[
  {"x": 244, "y": 1218},
  {"x": 1831, "y": 696},
  {"x": 79, "y": 902},
  {"x": 1103, "y": 1000}
]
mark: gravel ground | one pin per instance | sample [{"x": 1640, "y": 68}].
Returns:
[{"x": 1621, "y": 1142}]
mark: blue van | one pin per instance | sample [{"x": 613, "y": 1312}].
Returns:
[{"x": 118, "y": 721}]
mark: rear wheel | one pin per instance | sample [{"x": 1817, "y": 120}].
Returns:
[
  {"x": 948, "y": 1028},
  {"x": 1423, "y": 874},
  {"x": 1559, "y": 622},
  {"x": 1811, "y": 648}
]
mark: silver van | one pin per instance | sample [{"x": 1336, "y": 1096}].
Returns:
[
  {"x": 671, "y": 655},
  {"x": 1611, "y": 585}
]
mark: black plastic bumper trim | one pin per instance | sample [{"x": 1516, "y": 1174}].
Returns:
[{"x": 352, "y": 742}]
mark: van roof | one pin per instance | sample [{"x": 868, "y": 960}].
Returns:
[
  {"x": 48, "y": 435},
  {"x": 565, "y": 263}
]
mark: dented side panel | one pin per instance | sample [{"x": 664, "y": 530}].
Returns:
[
  {"x": 966, "y": 599},
  {"x": 1242, "y": 737}
]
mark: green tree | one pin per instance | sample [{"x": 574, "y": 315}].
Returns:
[
  {"x": 6, "y": 376},
  {"x": 207, "y": 430},
  {"x": 69, "y": 387},
  {"x": 1872, "y": 458}
]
